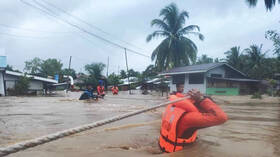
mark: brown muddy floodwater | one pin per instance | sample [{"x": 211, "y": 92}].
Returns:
[{"x": 252, "y": 129}]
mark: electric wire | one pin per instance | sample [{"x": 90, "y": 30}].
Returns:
[{"x": 82, "y": 29}]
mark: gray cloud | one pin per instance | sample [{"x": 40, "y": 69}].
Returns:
[{"x": 224, "y": 24}]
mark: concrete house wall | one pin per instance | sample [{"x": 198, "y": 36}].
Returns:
[
  {"x": 11, "y": 81},
  {"x": 2, "y": 89}
]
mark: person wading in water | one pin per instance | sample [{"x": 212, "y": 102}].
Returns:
[{"x": 182, "y": 119}]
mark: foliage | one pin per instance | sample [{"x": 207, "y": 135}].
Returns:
[
  {"x": 275, "y": 38},
  {"x": 269, "y": 4},
  {"x": 51, "y": 67},
  {"x": 33, "y": 66},
  {"x": 43, "y": 68},
  {"x": 150, "y": 71},
  {"x": 255, "y": 61},
  {"x": 256, "y": 95},
  {"x": 235, "y": 58},
  {"x": 123, "y": 74},
  {"x": 204, "y": 59},
  {"x": 95, "y": 73},
  {"x": 114, "y": 79},
  {"x": 22, "y": 85},
  {"x": 95, "y": 69},
  {"x": 176, "y": 49},
  {"x": 67, "y": 72},
  {"x": 11, "y": 68}
]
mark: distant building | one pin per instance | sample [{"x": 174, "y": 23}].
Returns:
[
  {"x": 8, "y": 80},
  {"x": 212, "y": 79}
]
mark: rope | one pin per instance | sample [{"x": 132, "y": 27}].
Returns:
[{"x": 51, "y": 137}]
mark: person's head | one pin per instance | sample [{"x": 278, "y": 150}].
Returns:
[{"x": 180, "y": 88}]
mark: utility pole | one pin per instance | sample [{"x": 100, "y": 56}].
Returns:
[
  {"x": 70, "y": 63},
  {"x": 127, "y": 70},
  {"x": 107, "y": 66}
]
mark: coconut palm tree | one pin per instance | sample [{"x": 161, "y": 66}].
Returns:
[
  {"x": 255, "y": 61},
  {"x": 235, "y": 58},
  {"x": 269, "y": 4},
  {"x": 176, "y": 49}
]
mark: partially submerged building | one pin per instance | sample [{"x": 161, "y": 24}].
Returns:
[
  {"x": 8, "y": 80},
  {"x": 212, "y": 79}
]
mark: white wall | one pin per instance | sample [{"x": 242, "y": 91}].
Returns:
[
  {"x": 2, "y": 92},
  {"x": 187, "y": 87},
  {"x": 200, "y": 87},
  {"x": 34, "y": 84}
]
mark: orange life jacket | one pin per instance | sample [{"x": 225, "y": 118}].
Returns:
[
  {"x": 168, "y": 141},
  {"x": 100, "y": 90},
  {"x": 115, "y": 90}
]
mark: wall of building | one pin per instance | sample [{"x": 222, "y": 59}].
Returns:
[
  {"x": 219, "y": 70},
  {"x": 11, "y": 81},
  {"x": 2, "y": 91},
  {"x": 200, "y": 87},
  {"x": 187, "y": 86}
]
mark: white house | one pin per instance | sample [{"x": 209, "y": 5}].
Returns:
[
  {"x": 212, "y": 78},
  {"x": 8, "y": 80}
]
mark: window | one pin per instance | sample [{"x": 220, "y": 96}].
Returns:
[
  {"x": 197, "y": 78},
  {"x": 216, "y": 75},
  {"x": 178, "y": 79}
]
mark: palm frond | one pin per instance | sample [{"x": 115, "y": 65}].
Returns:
[
  {"x": 186, "y": 29},
  {"x": 156, "y": 34},
  {"x": 161, "y": 24},
  {"x": 200, "y": 36}
]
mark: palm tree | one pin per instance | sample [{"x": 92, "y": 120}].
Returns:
[
  {"x": 176, "y": 49},
  {"x": 269, "y": 4},
  {"x": 234, "y": 58},
  {"x": 255, "y": 61},
  {"x": 204, "y": 59}
]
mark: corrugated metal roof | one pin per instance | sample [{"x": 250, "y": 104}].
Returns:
[
  {"x": 192, "y": 68},
  {"x": 235, "y": 79},
  {"x": 199, "y": 68}
]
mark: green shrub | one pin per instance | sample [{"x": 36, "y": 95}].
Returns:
[
  {"x": 22, "y": 85},
  {"x": 256, "y": 95}
]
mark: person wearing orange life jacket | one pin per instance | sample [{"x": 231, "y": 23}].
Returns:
[
  {"x": 182, "y": 119},
  {"x": 115, "y": 90},
  {"x": 100, "y": 90}
]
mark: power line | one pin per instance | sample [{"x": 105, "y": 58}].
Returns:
[
  {"x": 82, "y": 29},
  {"x": 85, "y": 22}
]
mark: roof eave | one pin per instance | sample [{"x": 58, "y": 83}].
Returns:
[{"x": 184, "y": 72}]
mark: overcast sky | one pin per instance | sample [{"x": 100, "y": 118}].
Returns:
[{"x": 32, "y": 33}]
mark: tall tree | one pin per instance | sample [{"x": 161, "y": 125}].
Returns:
[
  {"x": 204, "y": 59},
  {"x": 275, "y": 38},
  {"x": 51, "y": 67},
  {"x": 33, "y": 66},
  {"x": 176, "y": 49},
  {"x": 123, "y": 74},
  {"x": 95, "y": 69},
  {"x": 255, "y": 61},
  {"x": 69, "y": 72},
  {"x": 269, "y": 4},
  {"x": 234, "y": 58}
]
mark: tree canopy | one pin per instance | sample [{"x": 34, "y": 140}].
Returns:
[{"x": 176, "y": 49}]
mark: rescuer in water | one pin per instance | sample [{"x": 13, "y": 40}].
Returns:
[
  {"x": 182, "y": 119},
  {"x": 88, "y": 94},
  {"x": 100, "y": 89},
  {"x": 115, "y": 90}
]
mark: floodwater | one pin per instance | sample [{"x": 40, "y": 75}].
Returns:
[{"x": 252, "y": 129}]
